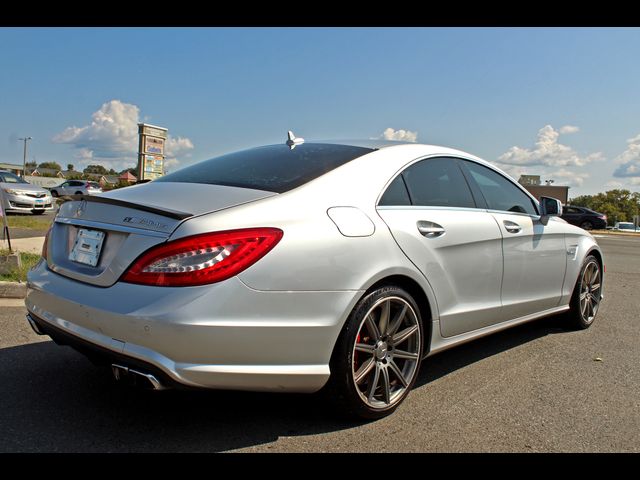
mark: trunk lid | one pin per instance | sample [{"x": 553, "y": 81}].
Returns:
[{"x": 129, "y": 221}]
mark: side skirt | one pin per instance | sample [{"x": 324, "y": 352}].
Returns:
[{"x": 440, "y": 343}]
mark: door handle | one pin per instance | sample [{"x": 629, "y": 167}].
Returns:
[
  {"x": 512, "y": 227},
  {"x": 430, "y": 229}
]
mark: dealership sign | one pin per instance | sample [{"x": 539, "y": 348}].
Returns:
[{"x": 151, "y": 151}]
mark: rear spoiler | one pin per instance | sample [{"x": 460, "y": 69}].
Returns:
[{"x": 165, "y": 212}]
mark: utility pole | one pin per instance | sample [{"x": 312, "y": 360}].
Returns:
[{"x": 24, "y": 155}]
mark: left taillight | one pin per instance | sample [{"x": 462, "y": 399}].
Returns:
[
  {"x": 202, "y": 259},
  {"x": 46, "y": 242}
]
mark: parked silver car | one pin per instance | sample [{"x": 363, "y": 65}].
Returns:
[
  {"x": 307, "y": 265},
  {"x": 21, "y": 196},
  {"x": 76, "y": 187}
]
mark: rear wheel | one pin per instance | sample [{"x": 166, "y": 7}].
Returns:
[
  {"x": 585, "y": 300},
  {"x": 78, "y": 193},
  {"x": 377, "y": 358},
  {"x": 586, "y": 225}
]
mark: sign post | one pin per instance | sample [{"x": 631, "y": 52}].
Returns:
[
  {"x": 5, "y": 225},
  {"x": 151, "y": 145}
]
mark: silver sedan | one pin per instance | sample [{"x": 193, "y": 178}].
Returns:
[{"x": 306, "y": 266}]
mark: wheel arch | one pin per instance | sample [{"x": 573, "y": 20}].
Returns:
[{"x": 418, "y": 294}]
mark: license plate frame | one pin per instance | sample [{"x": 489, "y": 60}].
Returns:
[{"x": 87, "y": 247}]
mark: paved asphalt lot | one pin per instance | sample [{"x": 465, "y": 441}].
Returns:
[{"x": 533, "y": 388}]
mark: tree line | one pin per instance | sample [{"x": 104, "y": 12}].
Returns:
[
  {"x": 99, "y": 169},
  {"x": 618, "y": 205}
]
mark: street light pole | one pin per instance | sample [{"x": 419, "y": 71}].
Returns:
[{"x": 24, "y": 156}]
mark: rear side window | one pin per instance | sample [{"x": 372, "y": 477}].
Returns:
[
  {"x": 438, "y": 182},
  {"x": 396, "y": 193},
  {"x": 500, "y": 193},
  {"x": 274, "y": 168}
]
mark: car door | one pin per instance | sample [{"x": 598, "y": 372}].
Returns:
[
  {"x": 535, "y": 254},
  {"x": 431, "y": 213}
]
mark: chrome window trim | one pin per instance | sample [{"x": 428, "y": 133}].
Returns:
[{"x": 462, "y": 157}]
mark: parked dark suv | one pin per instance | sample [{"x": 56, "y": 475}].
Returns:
[{"x": 584, "y": 217}]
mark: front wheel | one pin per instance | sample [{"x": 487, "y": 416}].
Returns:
[
  {"x": 55, "y": 194},
  {"x": 377, "y": 357},
  {"x": 586, "y": 297}
]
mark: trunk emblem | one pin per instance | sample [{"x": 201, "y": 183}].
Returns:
[{"x": 146, "y": 222}]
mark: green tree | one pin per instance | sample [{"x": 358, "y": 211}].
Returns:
[
  {"x": 69, "y": 166},
  {"x": 96, "y": 169},
  {"x": 52, "y": 165}
]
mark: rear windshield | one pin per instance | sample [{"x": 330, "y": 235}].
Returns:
[{"x": 274, "y": 168}]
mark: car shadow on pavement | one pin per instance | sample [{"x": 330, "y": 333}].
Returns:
[
  {"x": 53, "y": 399},
  {"x": 443, "y": 363}
]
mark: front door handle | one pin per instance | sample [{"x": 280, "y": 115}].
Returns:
[
  {"x": 512, "y": 227},
  {"x": 430, "y": 229}
]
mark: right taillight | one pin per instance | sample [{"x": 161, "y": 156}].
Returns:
[{"x": 202, "y": 259}]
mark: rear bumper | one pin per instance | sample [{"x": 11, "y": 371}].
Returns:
[{"x": 224, "y": 336}]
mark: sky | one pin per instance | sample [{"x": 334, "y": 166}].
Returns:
[{"x": 563, "y": 103}]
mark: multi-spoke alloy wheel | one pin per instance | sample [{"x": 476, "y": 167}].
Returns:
[
  {"x": 386, "y": 352},
  {"x": 590, "y": 291},
  {"x": 377, "y": 357},
  {"x": 586, "y": 295}
]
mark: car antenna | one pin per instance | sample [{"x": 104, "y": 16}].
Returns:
[{"x": 293, "y": 141}]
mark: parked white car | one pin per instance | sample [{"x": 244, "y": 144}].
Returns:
[
  {"x": 76, "y": 187},
  {"x": 625, "y": 227},
  {"x": 21, "y": 196}
]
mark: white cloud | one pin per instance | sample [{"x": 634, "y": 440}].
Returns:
[
  {"x": 612, "y": 184},
  {"x": 547, "y": 151},
  {"x": 567, "y": 129},
  {"x": 566, "y": 177},
  {"x": 111, "y": 139},
  {"x": 562, "y": 176},
  {"x": 629, "y": 160},
  {"x": 402, "y": 135}
]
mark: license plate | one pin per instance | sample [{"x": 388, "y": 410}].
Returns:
[
  {"x": 87, "y": 246},
  {"x": 39, "y": 202}
]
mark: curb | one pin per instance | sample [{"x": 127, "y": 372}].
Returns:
[{"x": 13, "y": 290}]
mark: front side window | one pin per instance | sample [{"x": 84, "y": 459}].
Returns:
[
  {"x": 438, "y": 182},
  {"x": 499, "y": 192}
]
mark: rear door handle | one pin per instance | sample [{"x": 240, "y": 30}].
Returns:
[
  {"x": 430, "y": 229},
  {"x": 512, "y": 227}
]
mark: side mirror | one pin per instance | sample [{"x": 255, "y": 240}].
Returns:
[{"x": 549, "y": 207}]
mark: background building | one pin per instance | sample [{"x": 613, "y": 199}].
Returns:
[{"x": 533, "y": 184}]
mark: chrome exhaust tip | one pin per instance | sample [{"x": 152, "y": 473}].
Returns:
[
  {"x": 136, "y": 378},
  {"x": 34, "y": 325}
]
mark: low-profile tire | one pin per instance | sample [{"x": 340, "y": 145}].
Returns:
[
  {"x": 377, "y": 357},
  {"x": 586, "y": 226},
  {"x": 585, "y": 300}
]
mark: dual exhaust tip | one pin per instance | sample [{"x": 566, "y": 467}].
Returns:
[
  {"x": 135, "y": 378},
  {"x": 120, "y": 372}
]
